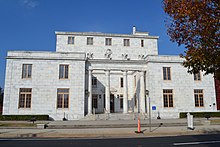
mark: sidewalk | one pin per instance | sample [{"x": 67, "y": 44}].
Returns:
[
  {"x": 119, "y": 128},
  {"x": 82, "y": 124}
]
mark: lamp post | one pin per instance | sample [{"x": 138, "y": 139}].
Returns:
[{"x": 147, "y": 93}]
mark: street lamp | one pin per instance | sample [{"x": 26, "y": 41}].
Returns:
[{"x": 147, "y": 93}]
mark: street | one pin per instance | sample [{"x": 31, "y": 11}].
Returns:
[{"x": 195, "y": 140}]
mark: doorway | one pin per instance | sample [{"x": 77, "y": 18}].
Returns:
[{"x": 112, "y": 103}]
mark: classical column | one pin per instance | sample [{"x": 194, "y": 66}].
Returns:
[
  {"x": 125, "y": 95},
  {"x": 142, "y": 93},
  {"x": 107, "y": 91},
  {"x": 90, "y": 92}
]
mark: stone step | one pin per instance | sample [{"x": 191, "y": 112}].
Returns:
[
  {"x": 118, "y": 125},
  {"x": 115, "y": 116}
]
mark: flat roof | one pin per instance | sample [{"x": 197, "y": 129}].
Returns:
[{"x": 138, "y": 35}]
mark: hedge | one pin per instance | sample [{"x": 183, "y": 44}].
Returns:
[
  {"x": 24, "y": 117},
  {"x": 200, "y": 114}
]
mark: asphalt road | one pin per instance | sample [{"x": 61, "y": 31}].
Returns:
[{"x": 179, "y": 141}]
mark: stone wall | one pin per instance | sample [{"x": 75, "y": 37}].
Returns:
[
  {"x": 44, "y": 83},
  {"x": 182, "y": 84},
  {"x": 99, "y": 49}
]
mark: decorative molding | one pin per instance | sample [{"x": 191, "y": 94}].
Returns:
[
  {"x": 125, "y": 56},
  {"x": 141, "y": 56},
  {"x": 108, "y": 54},
  {"x": 89, "y": 55}
]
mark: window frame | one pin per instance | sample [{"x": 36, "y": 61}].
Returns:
[
  {"x": 197, "y": 76},
  {"x": 90, "y": 41},
  {"x": 71, "y": 40},
  {"x": 108, "y": 41},
  {"x": 126, "y": 42},
  {"x": 63, "y": 105},
  {"x": 168, "y": 99},
  {"x": 200, "y": 100},
  {"x": 62, "y": 74},
  {"x": 25, "y": 92},
  {"x": 94, "y": 82},
  {"x": 167, "y": 73},
  {"x": 25, "y": 71},
  {"x": 142, "y": 43},
  {"x": 121, "y": 80}
]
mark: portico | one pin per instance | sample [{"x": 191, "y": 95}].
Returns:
[{"x": 112, "y": 99}]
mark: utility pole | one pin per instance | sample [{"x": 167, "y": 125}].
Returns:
[
  {"x": 147, "y": 93},
  {"x": 149, "y": 113}
]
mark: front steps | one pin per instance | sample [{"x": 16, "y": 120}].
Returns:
[{"x": 116, "y": 116}]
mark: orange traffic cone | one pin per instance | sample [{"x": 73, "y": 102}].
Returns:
[{"x": 139, "y": 127}]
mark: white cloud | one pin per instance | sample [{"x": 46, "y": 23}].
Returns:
[{"x": 29, "y": 3}]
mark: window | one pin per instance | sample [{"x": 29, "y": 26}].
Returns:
[
  {"x": 142, "y": 43},
  {"x": 166, "y": 73},
  {"x": 197, "y": 76},
  {"x": 198, "y": 95},
  {"x": 94, "y": 82},
  {"x": 121, "y": 101},
  {"x": 108, "y": 41},
  {"x": 168, "y": 97},
  {"x": 25, "y": 98},
  {"x": 94, "y": 101},
  {"x": 89, "y": 41},
  {"x": 70, "y": 40},
  {"x": 62, "y": 98},
  {"x": 121, "y": 82},
  {"x": 126, "y": 42},
  {"x": 26, "y": 70},
  {"x": 64, "y": 71}
]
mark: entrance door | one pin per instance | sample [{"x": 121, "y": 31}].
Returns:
[{"x": 112, "y": 106}]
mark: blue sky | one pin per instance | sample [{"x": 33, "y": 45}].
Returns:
[{"x": 31, "y": 24}]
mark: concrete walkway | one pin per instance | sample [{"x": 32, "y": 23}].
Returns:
[
  {"x": 117, "y": 128},
  {"x": 77, "y": 124},
  {"x": 105, "y": 132}
]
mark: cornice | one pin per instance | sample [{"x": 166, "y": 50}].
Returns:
[{"x": 106, "y": 35}]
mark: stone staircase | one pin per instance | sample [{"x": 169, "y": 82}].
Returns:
[{"x": 116, "y": 116}]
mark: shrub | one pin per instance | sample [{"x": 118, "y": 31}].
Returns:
[
  {"x": 24, "y": 117},
  {"x": 200, "y": 114}
]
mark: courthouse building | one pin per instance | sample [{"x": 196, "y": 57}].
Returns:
[{"x": 97, "y": 73}]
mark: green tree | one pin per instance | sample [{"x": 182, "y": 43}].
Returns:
[{"x": 196, "y": 25}]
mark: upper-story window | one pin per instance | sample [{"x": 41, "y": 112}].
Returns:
[
  {"x": 108, "y": 41},
  {"x": 121, "y": 82},
  {"x": 71, "y": 40},
  {"x": 26, "y": 71},
  {"x": 64, "y": 71},
  {"x": 126, "y": 42},
  {"x": 89, "y": 40},
  {"x": 166, "y": 73},
  {"x": 94, "y": 82},
  {"x": 142, "y": 43},
  {"x": 197, "y": 76}
]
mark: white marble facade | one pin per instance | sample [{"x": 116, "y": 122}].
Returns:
[{"x": 94, "y": 78}]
